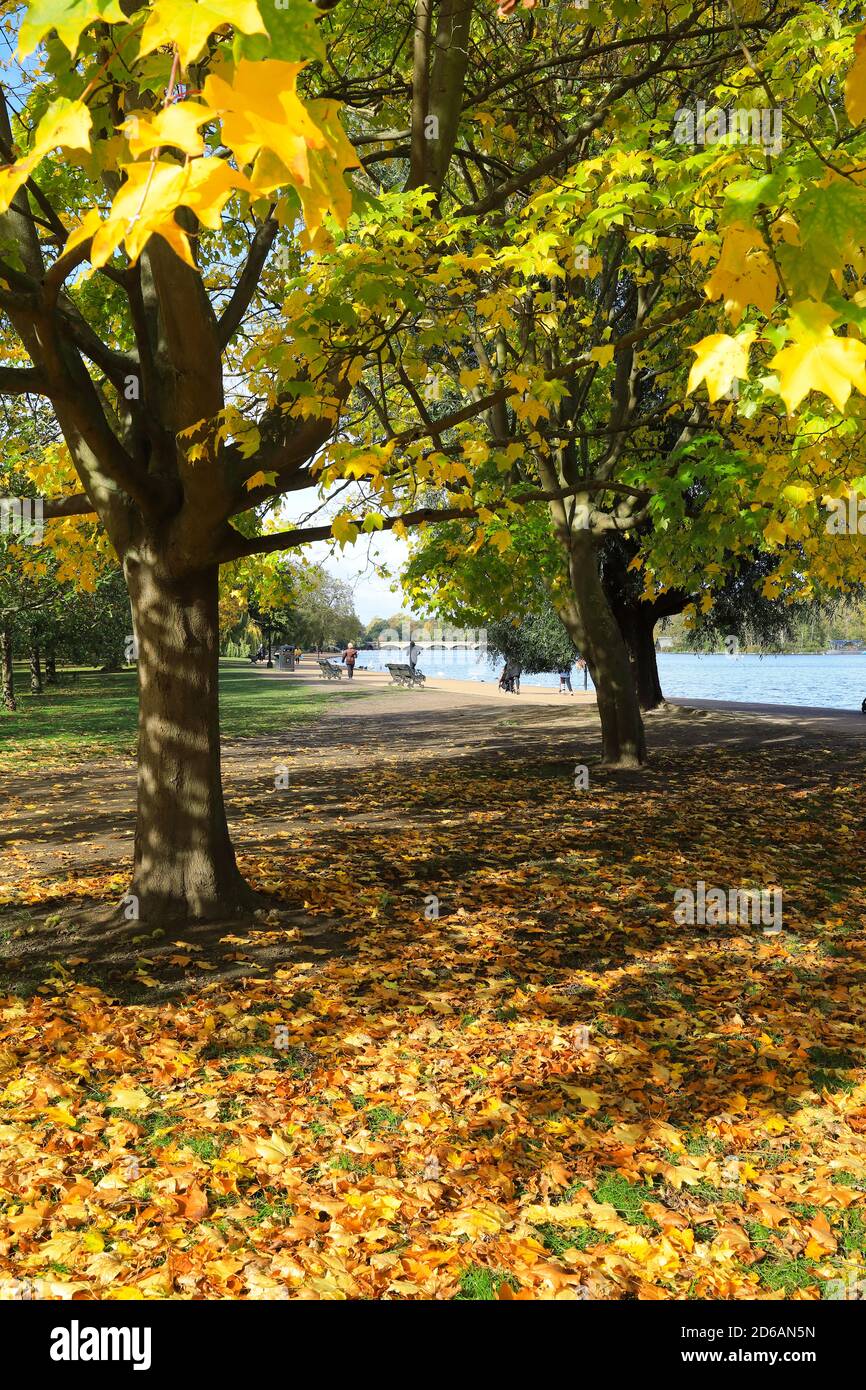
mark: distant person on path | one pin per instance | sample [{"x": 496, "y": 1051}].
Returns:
[
  {"x": 582, "y": 666},
  {"x": 414, "y": 650},
  {"x": 510, "y": 678},
  {"x": 565, "y": 682},
  {"x": 298, "y": 655},
  {"x": 350, "y": 656}
]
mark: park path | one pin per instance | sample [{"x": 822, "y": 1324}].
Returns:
[{"x": 78, "y": 822}]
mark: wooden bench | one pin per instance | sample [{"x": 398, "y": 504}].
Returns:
[
  {"x": 330, "y": 671},
  {"x": 404, "y": 674}
]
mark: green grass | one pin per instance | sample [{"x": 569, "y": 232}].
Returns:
[
  {"x": 853, "y": 1233},
  {"x": 95, "y": 715},
  {"x": 785, "y": 1276},
  {"x": 846, "y": 1179},
  {"x": 761, "y": 1236},
  {"x": 381, "y": 1118},
  {"x": 480, "y": 1285},
  {"x": 628, "y": 1198},
  {"x": 558, "y": 1239}
]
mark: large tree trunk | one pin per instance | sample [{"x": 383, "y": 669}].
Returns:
[
  {"x": 638, "y": 627},
  {"x": 184, "y": 862},
  {"x": 7, "y": 671},
  {"x": 35, "y": 670},
  {"x": 594, "y": 630}
]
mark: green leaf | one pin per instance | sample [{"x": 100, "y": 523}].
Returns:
[
  {"x": 745, "y": 196},
  {"x": 68, "y": 17},
  {"x": 293, "y": 33}
]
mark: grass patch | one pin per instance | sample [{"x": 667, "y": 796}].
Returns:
[
  {"x": 279, "y": 1211},
  {"x": 835, "y": 1058},
  {"x": 627, "y": 1197},
  {"x": 97, "y": 714},
  {"x": 785, "y": 1276},
  {"x": 480, "y": 1285},
  {"x": 558, "y": 1239},
  {"x": 831, "y": 1081},
  {"x": 853, "y": 1237},
  {"x": 846, "y": 1179},
  {"x": 382, "y": 1119},
  {"x": 760, "y": 1236}
]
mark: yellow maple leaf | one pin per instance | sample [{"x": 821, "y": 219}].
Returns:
[
  {"x": 261, "y": 479},
  {"x": 68, "y": 22},
  {"x": 744, "y": 274},
  {"x": 188, "y": 24},
  {"x": 60, "y": 1115},
  {"x": 130, "y": 1098},
  {"x": 720, "y": 360},
  {"x": 590, "y": 1100},
  {"x": 264, "y": 122},
  {"x": 603, "y": 355},
  {"x": 146, "y": 202},
  {"x": 798, "y": 494},
  {"x": 818, "y": 360},
  {"x": 176, "y": 126},
  {"x": 775, "y": 533},
  {"x": 855, "y": 83},
  {"x": 66, "y": 125},
  {"x": 344, "y": 529}
]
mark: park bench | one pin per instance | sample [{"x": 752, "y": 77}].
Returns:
[
  {"x": 330, "y": 671},
  {"x": 405, "y": 675}
]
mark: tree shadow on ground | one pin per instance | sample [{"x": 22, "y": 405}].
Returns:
[
  {"x": 130, "y": 965},
  {"x": 555, "y": 904}
]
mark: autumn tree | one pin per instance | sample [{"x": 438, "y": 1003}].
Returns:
[{"x": 187, "y": 288}]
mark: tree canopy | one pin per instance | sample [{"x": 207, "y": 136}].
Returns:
[{"x": 439, "y": 263}]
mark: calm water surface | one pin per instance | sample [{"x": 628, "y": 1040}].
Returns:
[{"x": 833, "y": 682}]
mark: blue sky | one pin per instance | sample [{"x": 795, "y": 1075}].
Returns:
[{"x": 357, "y": 563}]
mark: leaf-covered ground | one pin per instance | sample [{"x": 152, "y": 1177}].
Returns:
[{"x": 550, "y": 1090}]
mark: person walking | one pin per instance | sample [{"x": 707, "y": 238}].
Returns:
[
  {"x": 565, "y": 682},
  {"x": 414, "y": 650},
  {"x": 350, "y": 656},
  {"x": 510, "y": 678}
]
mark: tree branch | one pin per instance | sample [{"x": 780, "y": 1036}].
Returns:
[
  {"x": 237, "y": 546},
  {"x": 248, "y": 281},
  {"x": 79, "y": 504},
  {"x": 503, "y": 393},
  {"x": 420, "y": 94},
  {"x": 558, "y": 156},
  {"x": 21, "y": 381}
]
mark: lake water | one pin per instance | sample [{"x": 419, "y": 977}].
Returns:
[{"x": 832, "y": 682}]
